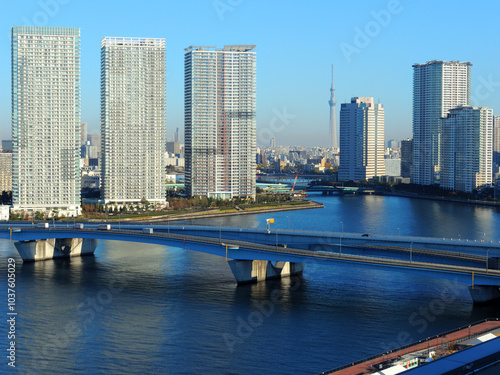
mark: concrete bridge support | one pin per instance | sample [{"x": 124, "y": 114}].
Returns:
[
  {"x": 251, "y": 271},
  {"x": 484, "y": 293},
  {"x": 52, "y": 248}
]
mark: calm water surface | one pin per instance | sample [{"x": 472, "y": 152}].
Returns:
[{"x": 136, "y": 308}]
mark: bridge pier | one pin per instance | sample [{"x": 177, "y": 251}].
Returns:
[
  {"x": 484, "y": 293},
  {"x": 52, "y": 248},
  {"x": 251, "y": 271}
]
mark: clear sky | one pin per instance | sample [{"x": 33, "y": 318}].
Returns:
[{"x": 372, "y": 44}]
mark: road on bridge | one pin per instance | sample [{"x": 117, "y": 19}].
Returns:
[{"x": 236, "y": 247}]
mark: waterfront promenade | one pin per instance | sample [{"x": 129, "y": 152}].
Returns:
[{"x": 174, "y": 215}]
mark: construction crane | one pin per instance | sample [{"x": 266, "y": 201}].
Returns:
[{"x": 294, "y": 182}]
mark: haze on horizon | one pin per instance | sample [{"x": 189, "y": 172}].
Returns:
[{"x": 373, "y": 48}]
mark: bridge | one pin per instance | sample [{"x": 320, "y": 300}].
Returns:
[
  {"x": 258, "y": 254},
  {"x": 342, "y": 190}
]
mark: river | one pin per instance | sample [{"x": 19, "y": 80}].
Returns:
[{"x": 137, "y": 308}]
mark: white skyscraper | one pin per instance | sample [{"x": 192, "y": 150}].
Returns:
[
  {"x": 467, "y": 148},
  {"x": 133, "y": 119},
  {"x": 333, "y": 125},
  {"x": 438, "y": 86},
  {"x": 46, "y": 119},
  {"x": 361, "y": 140},
  {"x": 220, "y": 121}
]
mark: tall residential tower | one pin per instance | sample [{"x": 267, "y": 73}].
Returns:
[
  {"x": 467, "y": 148},
  {"x": 406, "y": 157},
  {"x": 220, "y": 121},
  {"x": 496, "y": 142},
  {"x": 361, "y": 140},
  {"x": 438, "y": 86},
  {"x": 133, "y": 119},
  {"x": 46, "y": 119},
  {"x": 333, "y": 125}
]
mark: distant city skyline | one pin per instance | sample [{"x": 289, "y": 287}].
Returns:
[{"x": 372, "y": 48}]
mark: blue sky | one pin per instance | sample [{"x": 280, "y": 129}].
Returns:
[{"x": 373, "y": 45}]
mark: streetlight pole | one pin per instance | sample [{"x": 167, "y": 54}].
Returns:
[
  {"x": 487, "y": 259},
  {"x": 276, "y": 237},
  {"x": 220, "y": 232},
  {"x": 399, "y": 232}
]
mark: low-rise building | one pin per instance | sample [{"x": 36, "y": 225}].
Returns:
[
  {"x": 4, "y": 213},
  {"x": 91, "y": 179}
]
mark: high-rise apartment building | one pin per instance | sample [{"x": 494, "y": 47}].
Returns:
[
  {"x": 438, "y": 86},
  {"x": 496, "y": 141},
  {"x": 467, "y": 148},
  {"x": 361, "y": 139},
  {"x": 5, "y": 171},
  {"x": 95, "y": 140},
  {"x": 46, "y": 119},
  {"x": 220, "y": 121},
  {"x": 406, "y": 157},
  {"x": 391, "y": 143},
  {"x": 133, "y": 119},
  {"x": 174, "y": 147},
  {"x": 272, "y": 142},
  {"x": 83, "y": 133}
]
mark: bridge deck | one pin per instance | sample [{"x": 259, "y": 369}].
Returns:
[{"x": 246, "y": 250}]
